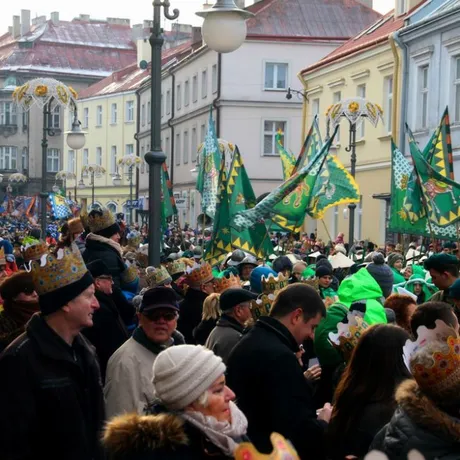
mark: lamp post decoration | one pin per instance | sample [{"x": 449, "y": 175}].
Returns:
[
  {"x": 130, "y": 161},
  {"x": 356, "y": 110},
  {"x": 47, "y": 94},
  {"x": 93, "y": 171},
  {"x": 64, "y": 176},
  {"x": 16, "y": 179}
]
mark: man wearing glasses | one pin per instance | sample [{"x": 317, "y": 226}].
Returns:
[{"x": 128, "y": 386}]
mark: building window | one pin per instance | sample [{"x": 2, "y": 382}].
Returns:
[
  {"x": 195, "y": 88},
  {"x": 52, "y": 160},
  {"x": 71, "y": 161},
  {"x": 335, "y": 220},
  {"x": 85, "y": 117},
  {"x": 361, "y": 92},
  {"x": 147, "y": 169},
  {"x": 54, "y": 118},
  {"x": 24, "y": 159},
  {"x": 162, "y": 103},
  {"x": 315, "y": 107},
  {"x": 457, "y": 88},
  {"x": 336, "y": 97},
  {"x": 8, "y": 157},
  {"x": 178, "y": 97},
  {"x": 99, "y": 115},
  {"x": 214, "y": 78},
  {"x": 388, "y": 88},
  {"x": 25, "y": 119},
  {"x": 113, "y": 160},
  {"x": 271, "y": 128},
  {"x": 187, "y": 93},
  {"x": 113, "y": 114},
  {"x": 194, "y": 146},
  {"x": 143, "y": 161},
  {"x": 167, "y": 149},
  {"x": 143, "y": 114},
  {"x": 168, "y": 102},
  {"x": 178, "y": 149},
  {"x": 202, "y": 133},
  {"x": 423, "y": 96},
  {"x": 129, "y": 111},
  {"x": 204, "y": 84},
  {"x": 99, "y": 156},
  {"x": 275, "y": 75},
  {"x": 149, "y": 110},
  {"x": 85, "y": 157},
  {"x": 401, "y": 7},
  {"x": 112, "y": 207},
  {"x": 129, "y": 149},
  {"x": 186, "y": 147},
  {"x": 8, "y": 113}
]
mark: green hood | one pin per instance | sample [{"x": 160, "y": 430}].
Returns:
[
  {"x": 360, "y": 286},
  {"x": 419, "y": 271}
]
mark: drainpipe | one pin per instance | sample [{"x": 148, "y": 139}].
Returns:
[
  {"x": 219, "y": 89},
  {"x": 136, "y": 137},
  {"x": 396, "y": 87},
  {"x": 395, "y": 38},
  {"x": 170, "y": 123}
]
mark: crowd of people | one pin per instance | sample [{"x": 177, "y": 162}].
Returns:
[{"x": 316, "y": 352}]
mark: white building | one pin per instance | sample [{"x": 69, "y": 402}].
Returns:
[{"x": 247, "y": 91}]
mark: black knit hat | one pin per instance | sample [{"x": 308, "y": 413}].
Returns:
[
  {"x": 282, "y": 263},
  {"x": 98, "y": 268},
  {"x": 15, "y": 284},
  {"x": 323, "y": 270},
  {"x": 382, "y": 273}
]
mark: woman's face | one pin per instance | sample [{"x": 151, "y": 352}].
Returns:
[
  {"x": 398, "y": 264},
  {"x": 219, "y": 397},
  {"x": 408, "y": 272},
  {"x": 325, "y": 281},
  {"x": 417, "y": 289}
]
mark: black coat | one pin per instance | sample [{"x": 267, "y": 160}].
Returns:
[
  {"x": 202, "y": 331},
  {"x": 272, "y": 391},
  {"x": 419, "y": 424},
  {"x": 108, "y": 332},
  {"x": 157, "y": 437},
  {"x": 50, "y": 397},
  {"x": 98, "y": 250},
  {"x": 191, "y": 310}
]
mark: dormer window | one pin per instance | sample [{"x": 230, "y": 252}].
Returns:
[{"x": 401, "y": 7}]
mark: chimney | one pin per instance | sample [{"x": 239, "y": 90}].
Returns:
[
  {"x": 241, "y": 3},
  {"x": 147, "y": 24},
  {"x": 144, "y": 51},
  {"x": 55, "y": 17},
  {"x": 197, "y": 38},
  {"x": 137, "y": 32},
  {"x": 84, "y": 17},
  {"x": 16, "y": 26},
  {"x": 25, "y": 22},
  {"x": 207, "y": 5},
  {"x": 10, "y": 30}
]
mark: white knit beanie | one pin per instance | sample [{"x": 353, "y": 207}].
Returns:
[{"x": 182, "y": 373}]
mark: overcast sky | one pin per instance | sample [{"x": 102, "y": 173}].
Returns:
[{"x": 136, "y": 10}]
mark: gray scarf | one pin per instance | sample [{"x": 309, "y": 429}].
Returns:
[{"x": 221, "y": 434}]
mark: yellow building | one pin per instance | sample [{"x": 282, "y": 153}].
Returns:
[
  {"x": 108, "y": 113},
  {"x": 366, "y": 66}
]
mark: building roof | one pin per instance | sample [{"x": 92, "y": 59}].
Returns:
[
  {"x": 309, "y": 19},
  {"x": 131, "y": 77},
  {"x": 86, "y": 48}
]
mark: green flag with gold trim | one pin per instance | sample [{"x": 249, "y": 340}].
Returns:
[{"x": 287, "y": 158}]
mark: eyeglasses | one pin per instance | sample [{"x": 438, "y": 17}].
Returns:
[
  {"x": 105, "y": 277},
  {"x": 157, "y": 315}
]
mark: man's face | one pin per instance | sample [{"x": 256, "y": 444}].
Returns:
[
  {"x": 442, "y": 280},
  {"x": 243, "y": 312},
  {"x": 208, "y": 287},
  {"x": 159, "y": 324},
  {"x": 81, "y": 309},
  {"x": 325, "y": 281},
  {"x": 104, "y": 284},
  {"x": 246, "y": 270},
  {"x": 303, "y": 330}
]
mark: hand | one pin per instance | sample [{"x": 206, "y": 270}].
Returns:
[
  {"x": 325, "y": 413},
  {"x": 328, "y": 301},
  {"x": 299, "y": 354},
  {"x": 313, "y": 373}
]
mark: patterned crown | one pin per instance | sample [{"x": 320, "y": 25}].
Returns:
[
  {"x": 272, "y": 284},
  {"x": 130, "y": 274},
  {"x": 438, "y": 373},
  {"x": 199, "y": 274},
  {"x": 142, "y": 256},
  {"x": 314, "y": 283},
  {"x": 157, "y": 276},
  {"x": 98, "y": 221},
  {"x": 34, "y": 251},
  {"x": 348, "y": 334},
  {"x": 282, "y": 450},
  {"x": 222, "y": 284},
  {"x": 52, "y": 272},
  {"x": 262, "y": 305},
  {"x": 176, "y": 267},
  {"x": 134, "y": 239}
]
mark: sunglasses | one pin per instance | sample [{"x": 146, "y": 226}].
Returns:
[{"x": 156, "y": 316}]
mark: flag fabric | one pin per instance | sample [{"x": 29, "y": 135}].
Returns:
[
  {"x": 288, "y": 160},
  {"x": 311, "y": 146},
  {"x": 290, "y": 199},
  {"x": 168, "y": 203},
  {"x": 208, "y": 173},
  {"x": 59, "y": 206},
  {"x": 401, "y": 172},
  {"x": 241, "y": 196}
]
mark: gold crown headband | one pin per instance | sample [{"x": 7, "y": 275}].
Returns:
[
  {"x": 222, "y": 284},
  {"x": 272, "y": 284},
  {"x": 199, "y": 274},
  {"x": 156, "y": 276},
  {"x": 98, "y": 222},
  {"x": 34, "y": 251}
]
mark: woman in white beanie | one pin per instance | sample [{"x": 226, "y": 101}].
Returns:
[{"x": 194, "y": 417}]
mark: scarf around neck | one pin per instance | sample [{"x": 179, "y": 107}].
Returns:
[
  {"x": 103, "y": 239},
  {"x": 223, "y": 435}
]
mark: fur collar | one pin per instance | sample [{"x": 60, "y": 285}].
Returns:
[
  {"x": 424, "y": 412},
  {"x": 140, "y": 433}
]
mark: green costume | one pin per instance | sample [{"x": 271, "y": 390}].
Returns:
[{"x": 398, "y": 278}]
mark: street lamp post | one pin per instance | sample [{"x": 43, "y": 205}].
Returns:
[{"x": 94, "y": 170}]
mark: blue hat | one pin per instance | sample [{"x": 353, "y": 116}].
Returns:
[{"x": 256, "y": 277}]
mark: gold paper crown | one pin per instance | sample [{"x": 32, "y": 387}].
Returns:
[
  {"x": 34, "y": 251},
  {"x": 134, "y": 239},
  {"x": 272, "y": 284},
  {"x": 439, "y": 375},
  {"x": 130, "y": 274},
  {"x": 142, "y": 257},
  {"x": 199, "y": 274},
  {"x": 157, "y": 276},
  {"x": 175, "y": 267},
  {"x": 314, "y": 283},
  {"x": 52, "y": 272},
  {"x": 282, "y": 450},
  {"x": 222, "y": 284},
  {"x": 98, "y": 221},
  {"x": 348, "y": 334},
  {"x": 262, "y": 305},
  {"x": 2, "y": 256}
]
